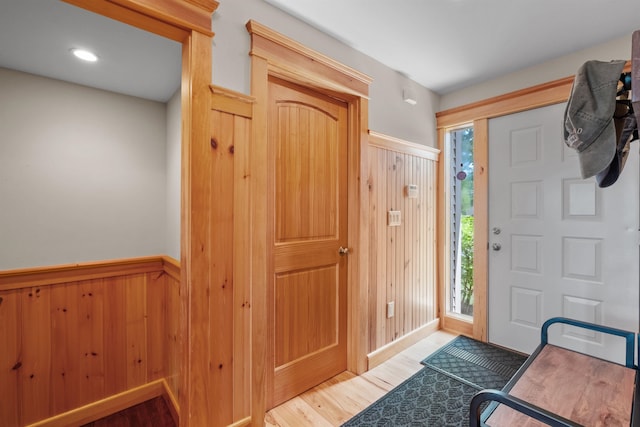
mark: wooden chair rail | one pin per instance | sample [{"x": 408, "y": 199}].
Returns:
[{"x": 52, "y": 275}]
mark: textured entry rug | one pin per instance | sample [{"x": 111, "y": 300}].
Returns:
[
  {"x": 476, "y": 363},
  {"x": 439, "y": 394}
]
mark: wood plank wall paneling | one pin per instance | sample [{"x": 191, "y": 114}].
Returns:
[
  {"x": 402, "y": 258},
  {"x": 72, "y": 342},
  {"x": 171, "y": 311}
]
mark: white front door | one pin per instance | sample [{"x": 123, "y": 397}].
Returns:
[{"x": 558, "y": 245}]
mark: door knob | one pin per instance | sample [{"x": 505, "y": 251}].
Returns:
[
  {"x": 343, "y": 251},
  {"x": 496, "y": 246}
]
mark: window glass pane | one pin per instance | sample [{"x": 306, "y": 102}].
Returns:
[{"x": 461, "y": 208}]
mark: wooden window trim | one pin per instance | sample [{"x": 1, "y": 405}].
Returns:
[{"x": 479, "y": 113}]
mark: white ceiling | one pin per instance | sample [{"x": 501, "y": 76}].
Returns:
[
  {"x": 444, "y": 45},
  {"x": 36, "y": 35}
]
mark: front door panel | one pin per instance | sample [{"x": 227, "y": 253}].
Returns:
[{"x": 558, "y": 244}]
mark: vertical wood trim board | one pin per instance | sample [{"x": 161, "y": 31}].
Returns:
[
  {"x": 69, "y": 343},
  {"x": 231, "y": 115},
  {"x": 403, "y": 258},
  {"x": 196, "y": 249},
  {"x": 481, "y": 229}
]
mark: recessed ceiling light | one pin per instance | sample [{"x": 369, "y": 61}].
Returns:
[{"x": 85, "y": 55}]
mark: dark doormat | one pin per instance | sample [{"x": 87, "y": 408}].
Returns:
[
  {"x": 439, "y": 394},
  {"x": 477, "y": 363}
]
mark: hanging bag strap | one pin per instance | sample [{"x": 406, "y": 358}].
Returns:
[{"x": 635, "y": 73}]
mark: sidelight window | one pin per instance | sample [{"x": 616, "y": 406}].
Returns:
[{"x": 460, "y": 174}]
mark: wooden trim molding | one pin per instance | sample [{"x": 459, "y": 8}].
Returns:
[
  {"x": 171, "y": 266},
  {"x": 456, "y": 325},
  {"x": 475, "y": 327},
  {"x": 193, "y": 15},
  {"x": 228, "y": 101},
  {"x": 481, "y": 229},
  {"x": 256, "y": 251},
  {"x": 401, "y": 146},
  {"x": 105, "y": 407},
  {"x": 45, "y": 276},
  {"x": 358, "y": 271},
  {"x": 541, "y": 95},
  {"x": 172, "y": 19},
  {"x": 537, "y": 96},
  {"x": 241, "y": 423},
  {"x": 382, "y": 354},
  {"x": 172, "y": 402},
  {"x": 197, "y": 387},
  {"x": 293, "y": 61},
  {"x": 443, "y": 228}
]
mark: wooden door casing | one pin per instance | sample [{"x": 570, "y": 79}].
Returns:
[{"x": 307, "y": 189}]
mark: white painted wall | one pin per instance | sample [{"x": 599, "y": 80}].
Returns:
[
  {"x": 110, "y": 187},
  {"x": 388, "y": 113},
  {"x": 82, "y": 173},
  {"x": 173, "y": 156},
  {"x": 542, "y": 73}
]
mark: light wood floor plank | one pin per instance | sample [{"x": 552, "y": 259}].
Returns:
[
  {"x": 337, "y": 400},
  {"x": 295, "y": 412},
  {"x": 356, "y": 393}
]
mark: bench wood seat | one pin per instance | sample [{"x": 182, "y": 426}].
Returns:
[{"x": 584, "y": 389}]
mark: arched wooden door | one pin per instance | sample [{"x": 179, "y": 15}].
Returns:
[{"x": 307, "y": 185}]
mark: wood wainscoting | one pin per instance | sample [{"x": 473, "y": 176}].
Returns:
[
  {"x": 77, "y": 334},
  {"x": 402, "y": 258}
]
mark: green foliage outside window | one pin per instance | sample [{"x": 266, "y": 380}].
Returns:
[
  {"x": 466, "y": 226},
  {"x": 467, "y": 264}
]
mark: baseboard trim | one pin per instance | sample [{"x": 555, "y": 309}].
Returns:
[
  {"x": 382, "y": 354},
  {"x": 105, "y": 407},
  {"x": 172, "y": 402},
  {"x": 457, "y": 325},
  {"x": 241, "y": 423}
]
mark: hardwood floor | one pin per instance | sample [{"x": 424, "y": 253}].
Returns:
[{"x": 337, "y": 400}]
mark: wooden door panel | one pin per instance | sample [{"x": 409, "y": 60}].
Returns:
[
  {"x": 307, "y": 166},
  {"x": 308, "y": 197},
  {"x": 306, "y": 313}
]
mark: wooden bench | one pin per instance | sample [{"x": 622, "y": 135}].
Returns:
[{"x": 561, "y": 387}]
